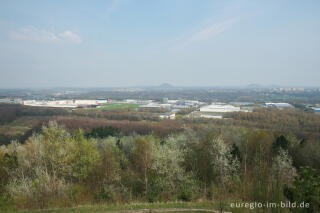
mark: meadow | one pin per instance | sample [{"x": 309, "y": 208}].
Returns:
[{"x": 112, "y": 106}]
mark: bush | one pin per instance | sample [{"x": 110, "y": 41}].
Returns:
[
  {"x": 185, "y": 194},
  {"x": 103, "y": 195},
  {"x": 42, "y": 192}
]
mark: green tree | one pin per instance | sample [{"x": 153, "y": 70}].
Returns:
[
  {"x": 306, "y": 188},
  {"x": 142, "y": 160},
  {"x": 103, "y": 132},
  {"x": 169, "y": 175}
]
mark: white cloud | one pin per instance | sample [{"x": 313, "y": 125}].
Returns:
[
  {"x": 31, "y": 33},
  {"x": 70, "y": 36},
  {"x": 210, "y": 31}
]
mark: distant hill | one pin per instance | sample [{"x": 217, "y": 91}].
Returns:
[
  {"x": 165, "y": 86},
  {"x": 253, "y": 86}
]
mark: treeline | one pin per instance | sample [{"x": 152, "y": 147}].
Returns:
[
  {"x": 303, "y": 124},
  {"x": 10, "y": 112},
  {"x": 58, "y": 168},
  {"x": 118, "y": 114},
  {"x": 286, "y": 118},
  {"x": 161, "y": 128}
]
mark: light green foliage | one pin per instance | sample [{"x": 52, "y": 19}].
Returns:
[
  {"x": 142, "y": 160},
  {"x": 257, "y": 164},
  {"x": 82, "y": 157},
  {"x": 283, "y": 174},
  {"x": 168, "y": 159},
  {"x": 106, "y": 175},
  {"x": 127, "y": 143},
  {"x": 211, "y": 160},
  {"x": 101, "y": 144},
  {"x": 224, "y": 166},
  {"x": 47, "y": 162},
  {"x": 39, "y": 190},
  {"x": 283, "y": 168},
  {"x": 58, "y": 153},
  {"x": 56, "y": 168}
]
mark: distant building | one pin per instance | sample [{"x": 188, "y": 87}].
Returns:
[
  {"x": 11, "y": 101},
  {"x": 156, "y": 105},
  {"x": 65, "y": 103},
  {"x": 168, "y": 116},
  {"x": 211, "y": 116},
  {"x": 151, "y": 105},
  {"x": 5, "y": 100},
  {"x": 131, "y": 101},
  {"x": 279, "y": 105},
  {"x": 165, "y": 100},
  {"x": 219, "y": 107},
  {"x": 316, "y": 109}
]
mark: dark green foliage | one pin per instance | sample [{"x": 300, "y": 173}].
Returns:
[
  {"x": 235, "y": 152},
  {"x": 11, "y": 161},
  {"x": 36, "y": 129},
  {"x": 154, "y": 190},
  {"x": 280, "y": 143},
  {"x": 10, "y": 112},
  {"x": 306, "y": 188},
  {"x": 103, "y": 195},
  {"x": 307, "y": 154},
  {"x": 5, "y": 139},
  {"x": 103, "y": 132},
  {"x": 185, "y": 194}
]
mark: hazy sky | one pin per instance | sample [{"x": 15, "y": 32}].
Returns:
[{"x": 47, "y": 43}]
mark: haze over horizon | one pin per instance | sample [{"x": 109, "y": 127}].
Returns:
[{"x": 118, "y": 43}]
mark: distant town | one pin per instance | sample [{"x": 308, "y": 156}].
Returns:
[{"x": 196, "y": 108}]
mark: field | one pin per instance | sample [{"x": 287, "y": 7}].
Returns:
[{"x": 112, "y": 106}]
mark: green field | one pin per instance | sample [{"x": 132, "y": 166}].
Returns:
[{"x": 111, "y": 106}]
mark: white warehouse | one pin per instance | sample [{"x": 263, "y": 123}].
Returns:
[{"x": 218, "y": 107}]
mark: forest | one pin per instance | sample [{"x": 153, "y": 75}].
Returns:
[{"x": 58, "y": 166}]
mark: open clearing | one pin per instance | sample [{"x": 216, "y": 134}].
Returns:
[{"x": 111, "y": 106}]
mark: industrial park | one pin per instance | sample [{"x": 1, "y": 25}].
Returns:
[{"x": 164, "y": 109}]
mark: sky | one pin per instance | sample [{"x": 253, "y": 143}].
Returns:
[{"x": 125, "y": 43}]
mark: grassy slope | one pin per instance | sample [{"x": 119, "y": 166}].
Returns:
[{"x": 134, "y": 206}]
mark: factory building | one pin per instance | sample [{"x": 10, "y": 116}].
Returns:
[
  {"x": 219, "y": 107},
  {"x": 279, "y": 105},
  {"x": 65, "y": 103}
]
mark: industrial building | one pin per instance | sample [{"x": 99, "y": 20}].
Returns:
[
  {"x": 168, "y": 116},
  {"x": 220, "y": 108},
  {"x": 316, "y": 109},
  {"x": 65, "y": 103},
  {"x": 279, "y": 105}
]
